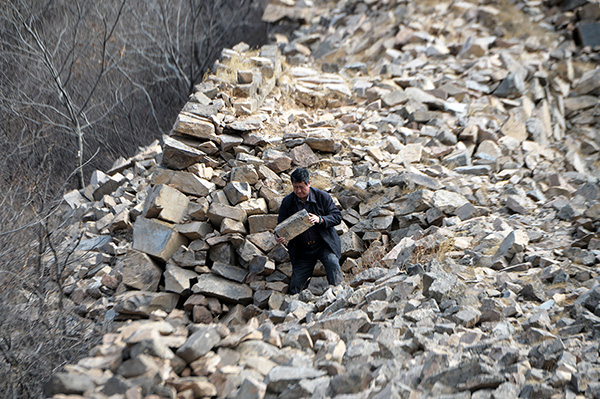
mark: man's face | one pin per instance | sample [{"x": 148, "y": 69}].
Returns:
[{"x": 301, "y": 190}]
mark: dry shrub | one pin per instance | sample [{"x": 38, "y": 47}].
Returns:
[
  {"x": 39, "y": 329},
  {"x": 425, "y": 254}
]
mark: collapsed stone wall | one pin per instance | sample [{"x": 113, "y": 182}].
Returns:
[{"x": 466, "y": 168}]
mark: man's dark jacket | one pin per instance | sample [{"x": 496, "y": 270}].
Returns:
[{"x": 322, "y": 206}]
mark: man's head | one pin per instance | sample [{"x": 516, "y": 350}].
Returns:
[{"x": 301, "y": 183}]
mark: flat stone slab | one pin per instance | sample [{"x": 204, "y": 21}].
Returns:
[
  {"x": 224, "y": 289},
  {"x": 293, "y": 226}
]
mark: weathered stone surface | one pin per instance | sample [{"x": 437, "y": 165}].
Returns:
[
  {"x": 217, "y": 212},
  {"x": 303, "y": 156},
  {"x": 177, "y": 279},
  {"x": 345, "y": 324},
  {"x": 139, "y": 271},
  {"x": 166, "y": 203},
  {"x": 195, "y": 126},
  {"x": 69, "y": 384},
  {"x": 352, "y": 245},
  {"x": 156, "y": 238},
  {"x": 237, "y": 192},
  {"x": 282, "y": 376},
  {"x": 178, "y": 155},
  {"x": 185, "y": 182},
  {"x": 229, "y": 272},
  {"x": 261, "y": 223},
  {"x": 224, "y": 289},
  {"x": 293, "y": 226},
  {"x": 199, "y": 343},
  {"x": 144, "y": 303}
]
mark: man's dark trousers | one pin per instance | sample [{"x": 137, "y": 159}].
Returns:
[{"x": 306, "y": 259}]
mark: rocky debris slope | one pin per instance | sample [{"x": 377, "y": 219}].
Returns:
[{"x": 465, "y": 162}]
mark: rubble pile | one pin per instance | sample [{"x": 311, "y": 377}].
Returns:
[{"x": 465, "y": 162}]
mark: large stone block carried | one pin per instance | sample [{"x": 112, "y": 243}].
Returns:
[
  {"x": 293, "y": 226},
  {"x": 156, "y": 238}
]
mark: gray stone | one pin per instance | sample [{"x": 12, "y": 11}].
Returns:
[
  {"x": 280, "y": 377},
  {"x": 105, "y": 185},
  {"x": 345, "y": 323},
  {"x": 217, "y": 212},
  {"x": 185, "y": 182},
  {"x": 441, "y": 286},
  {"x": 156, "y": 238},
  {"x": 237, "y": 192},
  {"x": 254, "y": 206},
  {"x": 178, "y": 279},
  {"x": 195, "y": 126},
  {"x": 515, "y": 242},
  {"x": 139, "y": 271},
  {"x": 68, "y": 384},
  {"x": 224, "y": 289},
  {"x": 448, "y": 201},
  {"x": 166, "y": 203},
  {"x": 352, "y": 245},
  {"x": 232, "y": 273},
  {"x": 178, "y": 155},
  {"x": 303, "y": 156},
  {"x": 252, "y": 389},
  {"x": 199, "y": 343},
  {"x": 144, "y": 303}
]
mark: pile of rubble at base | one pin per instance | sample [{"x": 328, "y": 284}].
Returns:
[{"x": 465, "y": 163}]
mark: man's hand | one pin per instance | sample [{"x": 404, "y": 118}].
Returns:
[
  {"x": 314, "y": 219},
  {"x": 280, "y": 240}
]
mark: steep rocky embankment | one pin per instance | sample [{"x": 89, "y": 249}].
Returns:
[{"x": 460, "y": 140}]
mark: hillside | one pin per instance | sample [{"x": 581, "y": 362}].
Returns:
[{"x": 459, "y": 139}]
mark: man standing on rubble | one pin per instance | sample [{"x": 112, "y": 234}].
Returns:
[{"x": 320, "y": 242}]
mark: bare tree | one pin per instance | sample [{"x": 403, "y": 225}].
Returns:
[{"x": 70, "y": 102}]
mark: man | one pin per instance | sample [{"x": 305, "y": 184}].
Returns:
[{"x": 320, "y": 242}]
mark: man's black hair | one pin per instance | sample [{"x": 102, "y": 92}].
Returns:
[{"x": 300, "y": 175}]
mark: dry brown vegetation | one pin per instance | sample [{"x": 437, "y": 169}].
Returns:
[{"x": 82, "y": 83}]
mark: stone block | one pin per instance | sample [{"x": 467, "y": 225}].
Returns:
[
  {"x": 178, "y": 155},
  {"x": 245, "y": 173},
  {"x": 195, "y": 230},
  {"x": 177, "y": 279},
  {"x": 254, "y": 206},
  {"x": 199, "y": 343},
  {"x": 229, "y": 272},
  {"x": 105, "y": 185},
  {"x": 139, "y": 271},
  {"x": 226, "y": 290},
  {"x": 229, "y": 141},
  {"x": 303, "y": 156},
  {"x": 260, "y": 223},
  {"x": 195, "y": 126},
  {"x": 237, "y": 192},
  {"x": 229, "y": 226},
  {"x": 352, "y": 245},
  {"x": 166, "y": 203},
  {"x": 261, "y": 265},
  {"x": 185, "y": 182},
  {"x": 293, "y": 226},
  {"x": 156, "y": 238},
  {"x": 217, "y": 212},
  {"x": 587, "y": 34},
  {"x": 143, "y": 303}
]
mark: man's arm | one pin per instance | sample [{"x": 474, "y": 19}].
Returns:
[{"x": 332, "y": 215}]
